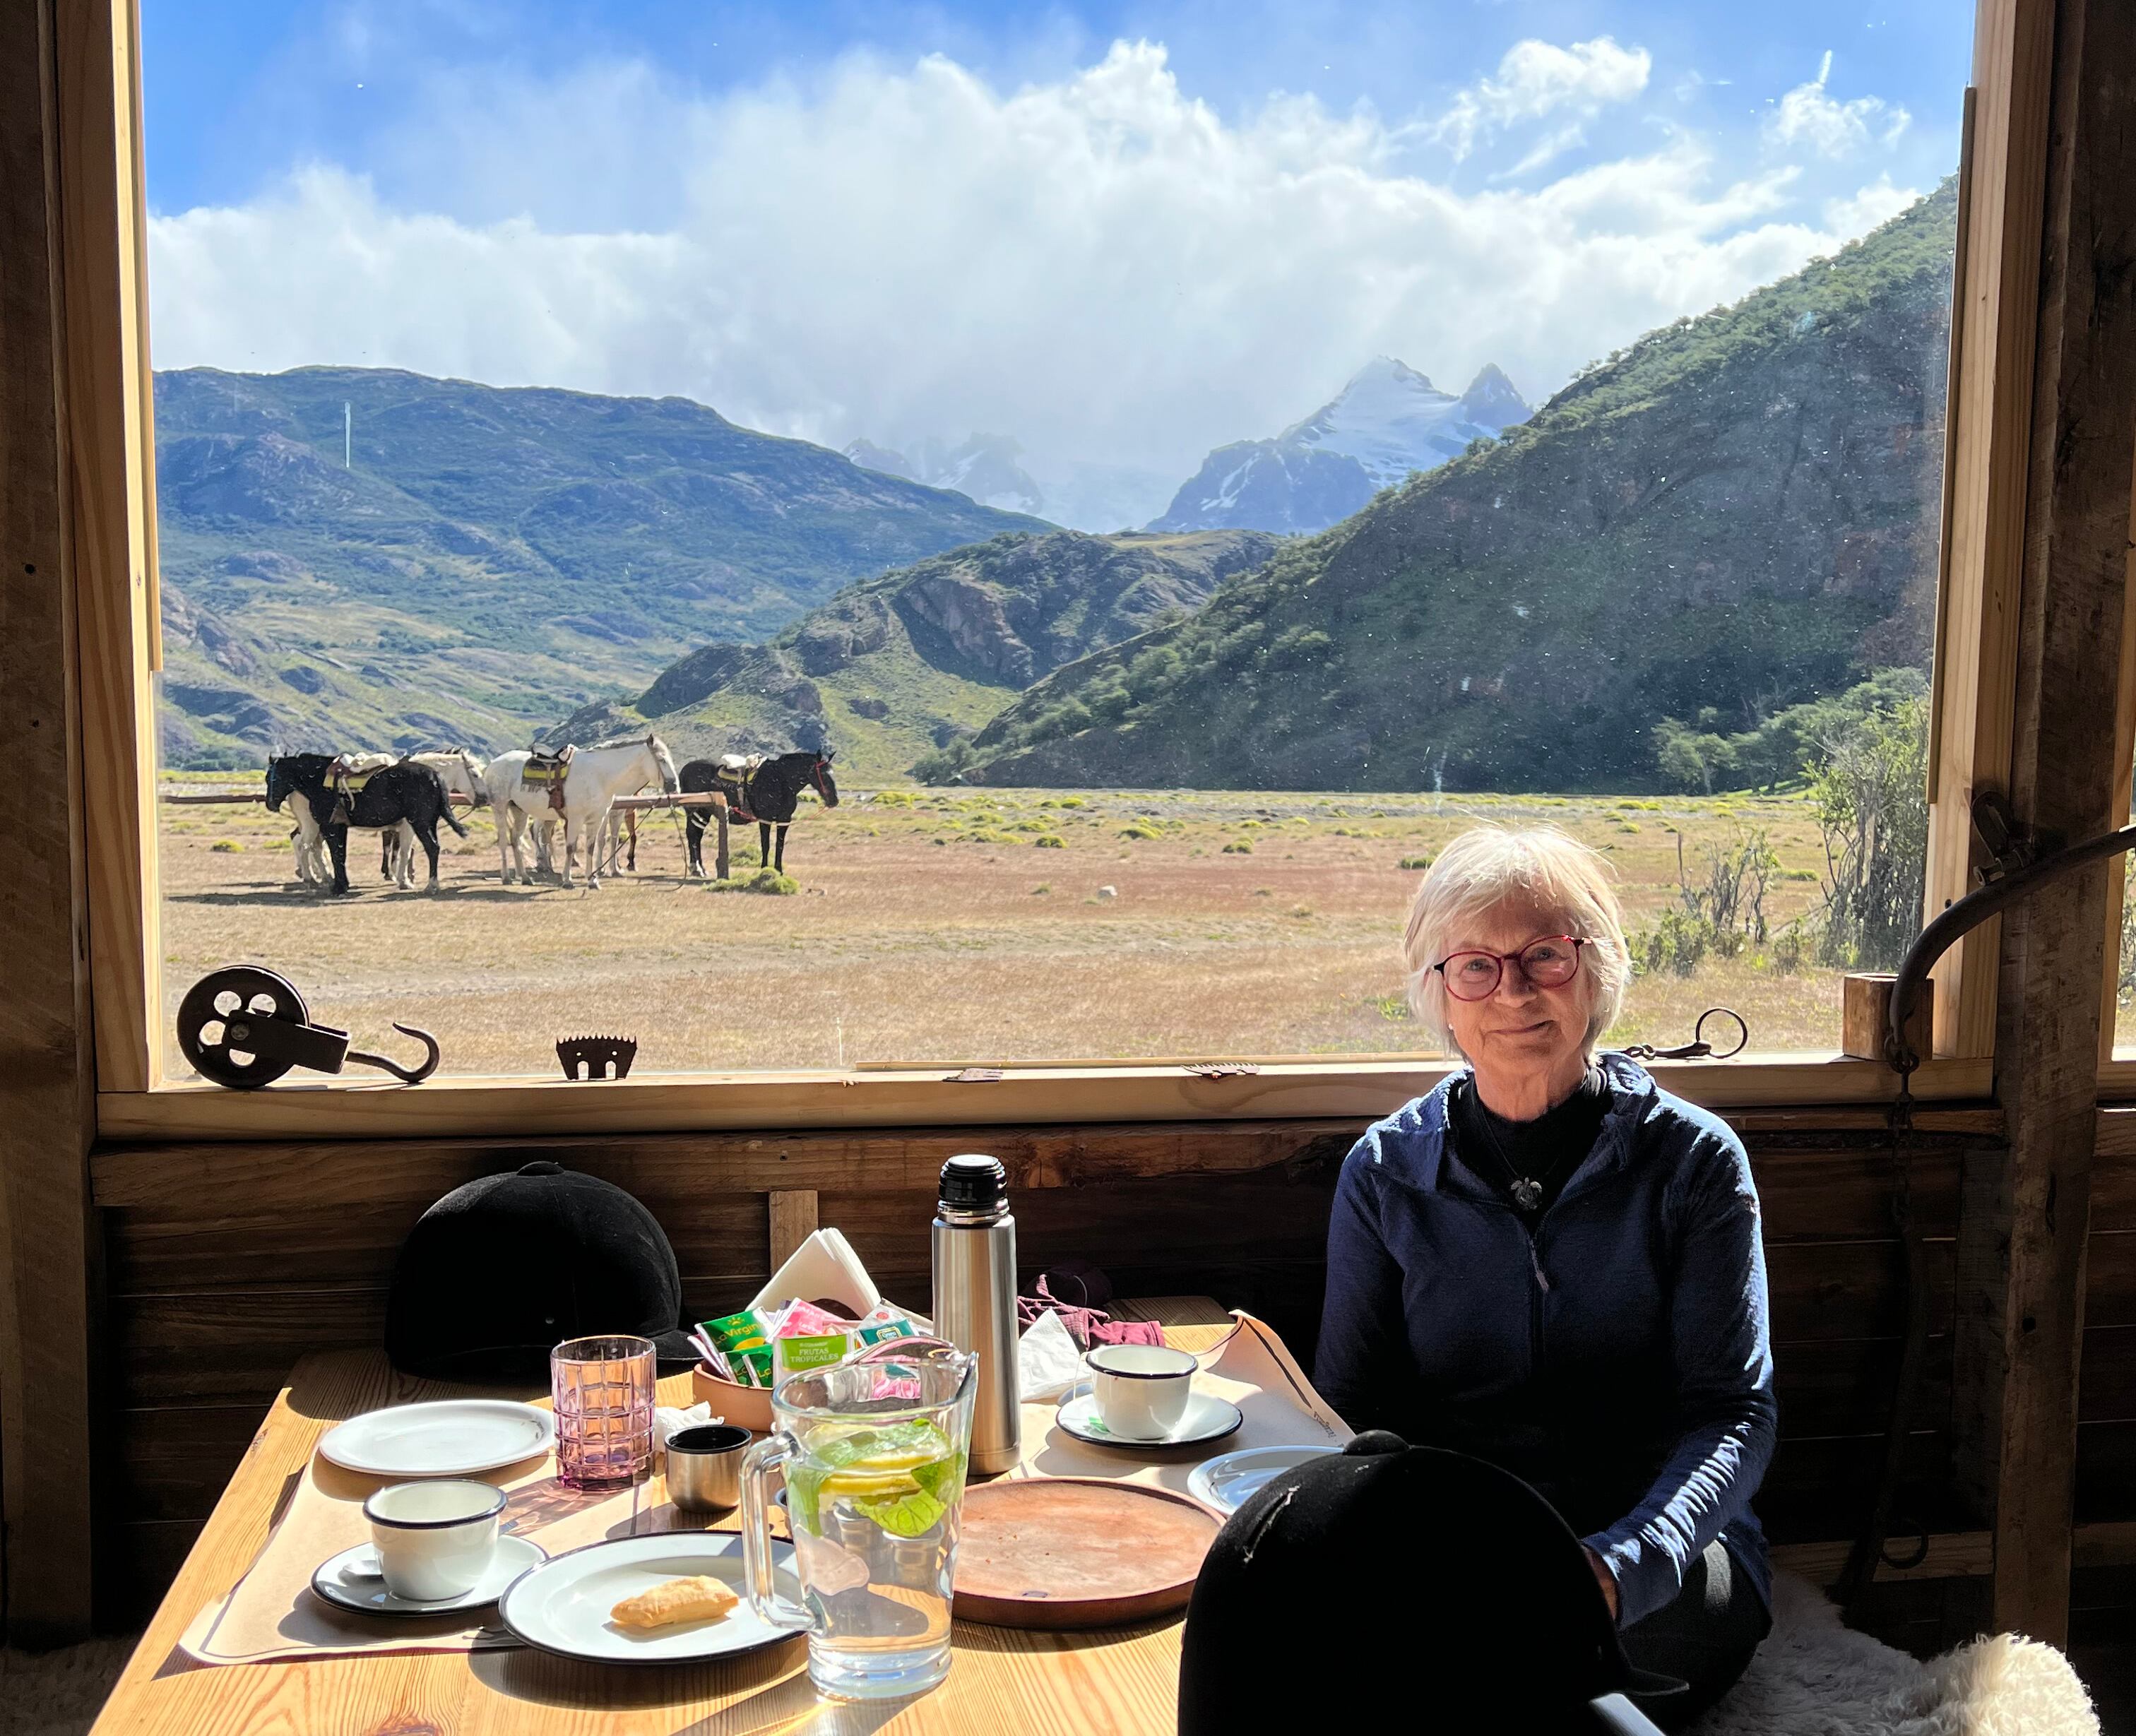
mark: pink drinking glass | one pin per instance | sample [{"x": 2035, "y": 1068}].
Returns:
[{"x": 603, "y": 1390}]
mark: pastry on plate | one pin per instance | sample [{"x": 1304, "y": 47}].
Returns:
[{"x": 700, "y": 1597}]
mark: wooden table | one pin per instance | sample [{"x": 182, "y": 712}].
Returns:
[{"x": 1120, "y": 1679}]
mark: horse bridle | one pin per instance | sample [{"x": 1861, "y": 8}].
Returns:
[{"x": 816, "y": 776}]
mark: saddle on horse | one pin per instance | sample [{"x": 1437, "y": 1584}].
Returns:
[
  {"x": 346, "y": 778},
  {"x": 733, "y": 773},
  {"x": 546, "y": 770}
]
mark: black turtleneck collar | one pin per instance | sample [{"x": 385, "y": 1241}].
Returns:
[{"x": 1545, "y": 1151}]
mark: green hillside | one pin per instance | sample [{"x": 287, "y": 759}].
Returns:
[
  {"x": 1734, "y": 515},
  {"x": 487, "y": 557},
  {"x": 895, "y": 668}
]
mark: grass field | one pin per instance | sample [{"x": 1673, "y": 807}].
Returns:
[{"x": 954, "y": 925}]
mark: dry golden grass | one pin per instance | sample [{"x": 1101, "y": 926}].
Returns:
[{"x": 934, "y": 926}]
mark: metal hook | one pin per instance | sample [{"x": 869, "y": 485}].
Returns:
[
  {"x": 406, "y": 1076},
  {"x": 1699, "y": 1048}
]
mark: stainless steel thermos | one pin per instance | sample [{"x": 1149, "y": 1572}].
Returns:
[{"x": 975, "y": 1298}]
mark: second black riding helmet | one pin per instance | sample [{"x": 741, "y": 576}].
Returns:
[{"x": 497, "y": 1273}]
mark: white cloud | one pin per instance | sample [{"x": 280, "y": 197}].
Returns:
[
  {"x": 1101, "y": 267},
  {"x": 1538, "y": 80},
  {"x": 1807, "y": 115}
]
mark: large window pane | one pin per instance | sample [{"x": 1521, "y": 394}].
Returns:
[{"x": 1168, "y": 477}]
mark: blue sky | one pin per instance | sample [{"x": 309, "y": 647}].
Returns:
[{"x": 1121, "y": 233}]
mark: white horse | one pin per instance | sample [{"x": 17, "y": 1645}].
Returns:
[
  {"x": 595, "y": 778},
  {"x": 310, "y": 844},
  {"x": 462, "y": 775}
]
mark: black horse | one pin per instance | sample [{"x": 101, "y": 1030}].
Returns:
[
  {"x": 768, "y": 794},
  {"x": 394, "y": 793}
]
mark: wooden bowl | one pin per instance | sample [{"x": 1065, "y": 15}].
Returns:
[{"x": 745, "y": 1407}]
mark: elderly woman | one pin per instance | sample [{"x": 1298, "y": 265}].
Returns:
[{"x": 1552, "y": 1263}]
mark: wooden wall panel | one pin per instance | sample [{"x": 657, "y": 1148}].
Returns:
[{"x": 47, "y": 1262}]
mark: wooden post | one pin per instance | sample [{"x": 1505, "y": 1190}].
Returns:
[
  {"x": 2021, "y": 1304},
  {"x": 720, "y": 814},
  {"x": 46, "y": 1075},
  {"x": 793, "y": 1221},
  {"x": 1865, "y": 1016}
]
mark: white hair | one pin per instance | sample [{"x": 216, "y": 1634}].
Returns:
[{"x": 1536, "y": 865}]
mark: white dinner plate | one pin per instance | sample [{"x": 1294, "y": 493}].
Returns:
[
  {"x": 1207, "y": 1419},
  {"x": 1229, "y": 1481},
  {"x": 351, "y": 1580},
  {"x": 445, "y": 1437},
  {"x": 563, "y": 1606}
]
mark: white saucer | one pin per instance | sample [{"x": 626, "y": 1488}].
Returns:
[
  {"x": 365, "y": 1593},
  {"x": 1228, "y": 1482},
  {"x": 563, "y": 1606},
  {"x": 445, "y": 1437},
  {"x": 1207, "y": 1419}
]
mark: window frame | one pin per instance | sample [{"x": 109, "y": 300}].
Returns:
[{"x": 110, "y": 411}]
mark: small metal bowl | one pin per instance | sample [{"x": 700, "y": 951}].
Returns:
[{"x": 704, "y": 1466}]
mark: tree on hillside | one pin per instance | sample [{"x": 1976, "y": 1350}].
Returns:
[{"x": 1870, "y": 786}]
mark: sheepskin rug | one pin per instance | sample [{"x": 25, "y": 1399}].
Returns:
[{"x": 1815, "y": 1677}]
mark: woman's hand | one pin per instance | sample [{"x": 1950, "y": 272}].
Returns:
[{"x": 1604, "y": 1578}]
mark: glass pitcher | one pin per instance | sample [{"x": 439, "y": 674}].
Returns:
[{"x": 873, "y": 1456}]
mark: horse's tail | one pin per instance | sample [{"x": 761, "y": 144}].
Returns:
[{"x": 445, "y": 801}]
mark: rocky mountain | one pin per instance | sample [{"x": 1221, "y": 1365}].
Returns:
[
  {"x": 1736, "y": 514},
  {"x": 474, "y": 559},
  {"x": 898, "y": 666},
  {"x": 985, "y": 468},
  {"x": 1387, "y": 422}
]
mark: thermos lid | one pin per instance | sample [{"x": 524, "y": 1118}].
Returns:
[{"x": 973, "y": 1183}]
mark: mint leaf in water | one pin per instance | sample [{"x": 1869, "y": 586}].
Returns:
[{"x": 908, "y": 1516}]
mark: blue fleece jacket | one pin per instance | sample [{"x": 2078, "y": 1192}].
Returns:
[{"x": 1615, "y": 1356}]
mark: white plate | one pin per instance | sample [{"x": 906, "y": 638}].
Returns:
[
  {"x": 1207, "y": 1419},
  {"x": 446, "y": 1438},
  {"x": 1228, "y": 1483},
  {"x": 563, "y": 1606},
  {"x": 343, "y": 1579}
]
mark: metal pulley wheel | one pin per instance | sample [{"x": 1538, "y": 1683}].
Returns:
[
  {"x": 219, "y": 1016},
  {"x": 244, "y": 1027}
]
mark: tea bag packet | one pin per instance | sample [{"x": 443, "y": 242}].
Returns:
[
  {"x": 805, "y": 1336},
  {"x": 741, "y": 1340},
  {"x": 885, "y": 1321}
]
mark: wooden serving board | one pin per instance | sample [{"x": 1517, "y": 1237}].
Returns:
[{"x": 1075, "y": 1552}]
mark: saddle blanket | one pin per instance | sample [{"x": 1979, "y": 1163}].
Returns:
[
  {"x": 732, "y": 773},
  {"x": 547, "y": 772}
]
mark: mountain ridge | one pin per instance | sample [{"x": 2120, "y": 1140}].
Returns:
[
  {"x": 1734, "y": 513},
  {"x": 476, "y": 558}
]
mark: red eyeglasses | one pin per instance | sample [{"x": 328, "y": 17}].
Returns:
[{"x": 1550, "y": 963}]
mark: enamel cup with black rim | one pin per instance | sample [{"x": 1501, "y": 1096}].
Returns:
[
  {"x": 1141, "y": 1389},
  {"x": 434, "y": 1539}
]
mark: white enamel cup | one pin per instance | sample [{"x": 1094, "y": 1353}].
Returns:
[
  {"x": 1141, "y": 1389},
  {"x": 434, "y": 1540}
]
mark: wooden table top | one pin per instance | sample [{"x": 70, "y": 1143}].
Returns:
[{"x": 1119, "y": 1680}]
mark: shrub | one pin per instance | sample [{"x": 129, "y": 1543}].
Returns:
[
  {"x": 767, "y": 880},
  {"x": 1049, "y": 840},
  {"x": 1240, "y": 848},
  {"x": 225, "y": 847},
  {"x": 1138, "y": 830},
  {"x": 1071, "y": 802},
  {"x": 1870, "y": 788},
  {"x": 1415, "y": 862}
]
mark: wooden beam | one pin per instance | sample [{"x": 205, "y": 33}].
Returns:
[
  {"x": 2022, "y": 1241},
  {"x": 112, "y": 506},
  {"x": 47, "y": 1085},
  {"x": 793, "y": 1213},
  {"x": 1988, "y": 414}
]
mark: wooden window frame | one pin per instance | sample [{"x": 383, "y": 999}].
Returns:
[{"x": 112, "y": 412}]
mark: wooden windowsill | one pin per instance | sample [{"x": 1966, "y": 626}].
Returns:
[{"x": 1112, "y": 1092}]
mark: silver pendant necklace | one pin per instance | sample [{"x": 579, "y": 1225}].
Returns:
[{"x": 1526, "y": 1189}]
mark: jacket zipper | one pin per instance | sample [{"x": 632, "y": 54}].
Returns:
[{"x": 1540, "y": 1289}]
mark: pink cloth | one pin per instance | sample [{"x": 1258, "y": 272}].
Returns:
[{"x": 1087, "y": 1325}]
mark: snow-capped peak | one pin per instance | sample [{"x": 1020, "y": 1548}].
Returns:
[{"x": 1393, "y": 419}]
